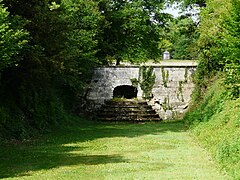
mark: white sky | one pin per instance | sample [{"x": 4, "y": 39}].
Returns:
[
  {"x": 177, "y": 12},
  {"x": 172, "y": 10}
]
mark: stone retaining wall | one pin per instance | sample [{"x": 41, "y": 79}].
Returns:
[{"x": 169, "y": 100}]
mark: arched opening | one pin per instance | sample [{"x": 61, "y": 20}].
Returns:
[{"x": 125, "y": 91}]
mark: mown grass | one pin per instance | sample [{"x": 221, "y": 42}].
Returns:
[
  {"x": 93, "y": 150},
  {"x": 216, "y": 124}
]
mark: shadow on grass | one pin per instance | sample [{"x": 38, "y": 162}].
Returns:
[{"x": 49, "y": 152}]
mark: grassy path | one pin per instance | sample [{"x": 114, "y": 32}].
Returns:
[{"x": 101, "y": 151}]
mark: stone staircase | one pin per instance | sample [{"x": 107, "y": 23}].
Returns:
[{"x": 127, "y": 110}]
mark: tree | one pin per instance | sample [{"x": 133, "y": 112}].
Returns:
[
  {"x": 230, "y": 48},
  {"x": 55, "y": 66},
  {"x": 211, "y": 29},
  {"x": 12, "y": 37},
  {"x": 132, "y": 29},
  {"x": 63, "y": 37},
  {"x": 181, "y": 34},
  {"x": 82, "y": 20},
  {"x": 219, "y": 44}
]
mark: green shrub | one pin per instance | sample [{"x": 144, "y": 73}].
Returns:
[
  {"x": 210, "y": 103},
  {"x": 30, "y": 111}
]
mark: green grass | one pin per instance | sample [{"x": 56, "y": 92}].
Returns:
[
  {"x": 93, "y": 150},
  {"x": 216, "y": 124}
]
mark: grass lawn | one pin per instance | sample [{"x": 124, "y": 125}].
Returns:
[{"x": 91, "y": 150}]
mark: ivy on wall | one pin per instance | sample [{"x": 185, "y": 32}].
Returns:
[
  {"x": 180, "y": 91},
  {"x": 165, "y": 76},
  {"x": 166, "y": 104},
  {"x": 186, "y": 75},
  {"x": 146, "y": 80}
]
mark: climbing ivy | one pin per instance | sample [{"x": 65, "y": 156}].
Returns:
[
  {"x": 135, "y": 82},
  {"x": 186, "y": 75},
  {"x": 166, "y": 105},
  {"x": 165, "y": 76},
  {"x": 180, "y": 91},
  {"x": 146, "y": 80}
]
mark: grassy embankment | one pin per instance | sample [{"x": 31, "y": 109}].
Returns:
[
  {"x": 91, "y": 150},
  {"x": 216, "y": 123}
]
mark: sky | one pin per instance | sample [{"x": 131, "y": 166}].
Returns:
[
  {"x": 177, "y": 12},
  {"x": 172, "y": 10}
]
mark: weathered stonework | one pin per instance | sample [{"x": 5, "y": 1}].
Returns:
[{"x": 169, "y": 100}]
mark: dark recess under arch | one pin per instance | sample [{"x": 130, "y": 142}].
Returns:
[{"x": 125, "y": 91}]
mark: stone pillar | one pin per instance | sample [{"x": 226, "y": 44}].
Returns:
[{"x": 166, "y": 55}]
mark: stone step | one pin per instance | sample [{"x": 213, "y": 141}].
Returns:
[
  {"x": 129, "y": 120},
  {"x": 127, "y": 107},
  {"x": 125, "y": 103},
  {"x": 127, "y": 110},
  {"x": 128, "y": 115}
]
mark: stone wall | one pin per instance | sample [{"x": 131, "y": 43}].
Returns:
[{"x": 171, "y": 95}]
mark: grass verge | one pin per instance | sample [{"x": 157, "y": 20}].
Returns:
[
  {"x": 91, "y": 150},
  {"x": 216, "y": 124}
]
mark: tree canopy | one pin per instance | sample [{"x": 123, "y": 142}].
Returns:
[
  {"x": 132, "y": 29},
  {"x": 50, "y": 48},
  {"x": 180, "y": 38},
  {"x": 12, "y": 37},
  {"x": 218, "y": 42}
]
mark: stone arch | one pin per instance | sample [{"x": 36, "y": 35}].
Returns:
[{"x": 125, "y": 91}]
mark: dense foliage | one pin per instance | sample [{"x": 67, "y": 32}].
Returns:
[
  {"x": 231, "y": 45},
  {"x": 13, "y": 37},
  {"x": 218, "y": 44},
  {"x": 214, "y": 116},
  {"x": 132, "y": 30},
  {"x": 180, "y": 38},
  {"x": 50, "y": 48},
  {"x": 60, "y": 46}
]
